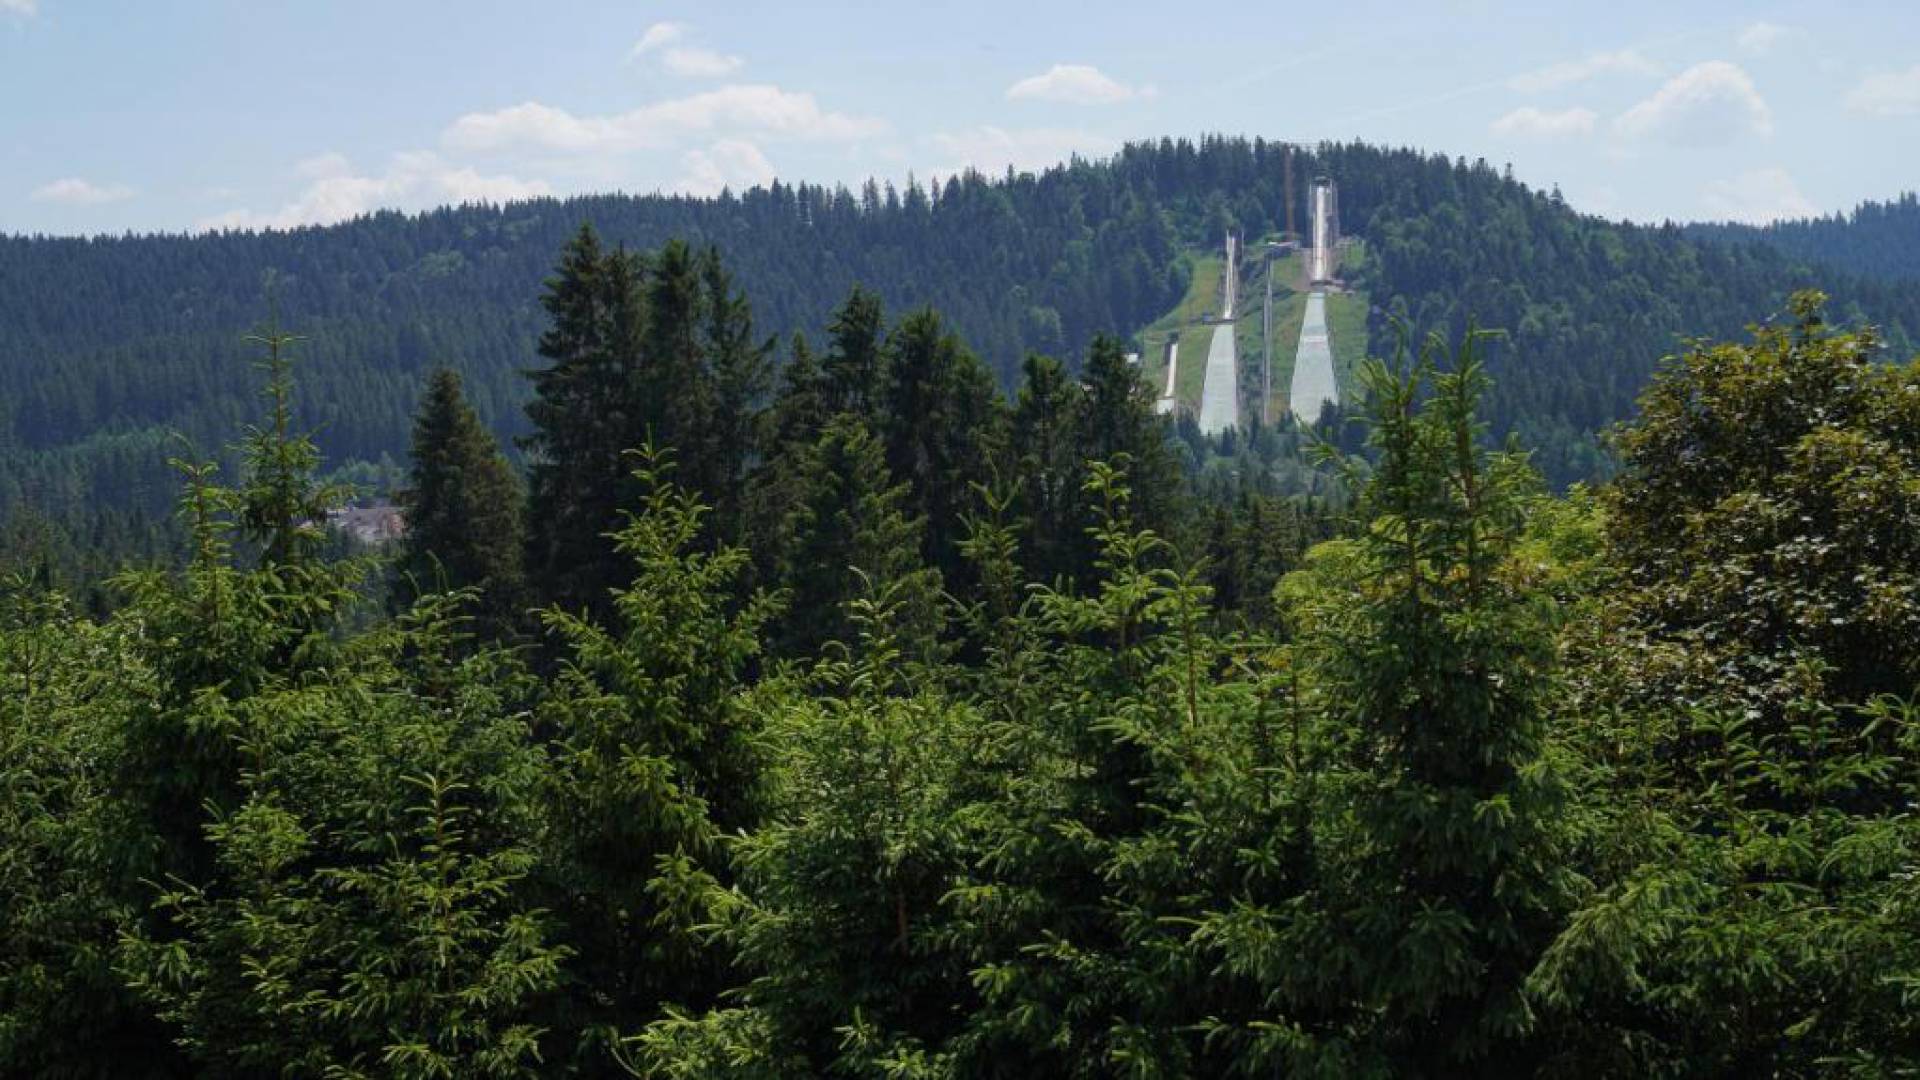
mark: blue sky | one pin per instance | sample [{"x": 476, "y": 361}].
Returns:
[{"x": 195, "y": 114}]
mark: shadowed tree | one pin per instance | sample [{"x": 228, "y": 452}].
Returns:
[{"x": 463, "y": 511}]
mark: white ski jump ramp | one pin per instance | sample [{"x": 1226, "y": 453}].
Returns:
[
  {"x": 1313, "y": 363},
  {"x": 1167, "y": 401},
  {"x": 1220, "y": 394}
]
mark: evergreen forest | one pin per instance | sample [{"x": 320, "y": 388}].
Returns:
[
  {"x": 799, "y": 667},
  {"x": 119, "y": 353}
]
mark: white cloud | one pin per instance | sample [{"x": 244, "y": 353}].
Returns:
[
  {"x": 1760, "y": 38},
  {"x": 742, "y": 109},
  {"x": 323, "y": 166},
  {"x": 1569, "y": 72},
  {"x": 1707, "y": 104},
  {"x": 1758, "y": 197},
  {"x": 991, "y": 149},
  {"x": 74, "y": 191},
  {"x": 729, "y": 163},
  {"x": 1888, "y": 93},
  {"x": 20, "y": 7},
  {"x": 415, "y": 180},
  {"x": 687, "y": 61},
  {"x": 699, "y": 63},
  {"x": 1530, "y": 122},
  {"x": 1076, "y": 84},
  {"x": 659, "y": 35}
]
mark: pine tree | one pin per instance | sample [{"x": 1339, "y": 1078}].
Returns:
[
  {"x": 654, "y": 763},
  {"x": 941, "y": 426},
  {"x": 463, "y": 511},
  {"x": 737, "y": 366},
  {"x": 282, "y": 507},
  {"x": 848, "y": 535},
  {"x": 1117, "y": 423},
  {"x": 1438, "y": 664},
  {"x": 219, "y": 631},
  {"x": 1049, "y": 473},
  {"x": 656, "y": 351},
  {"x": 586, "y": 411},
  {"x": 855, "y": 366},
  {"x": 367, "y": 912}
]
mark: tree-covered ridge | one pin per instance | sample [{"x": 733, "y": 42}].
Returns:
[
  {"x": 865, "y": 721},
  {"x": 98, "y": 364},
  {"x": 1616, "y": 783},
  {"x": 110, "y": 345},
  {"x": 1876, "y": 239}
]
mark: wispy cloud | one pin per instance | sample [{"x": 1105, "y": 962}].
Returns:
[
  {"x": 991, "y": 149},
  {"x": 20, "y": 7},
  {"x": 1759, "y": 39},
  {"x": 335, "y": 192},
  {"x": 1530, "y": 122},
  {"x": 727, "y": 164},
  {"x": 73, "y": 191},
  {"x": 658, "y": 36},
  {"x": 1758, "y": 197},
  {"x": 1570, "y": 72},
  {"x": 1887, "y": 93},
  {"x": 1707, "y": 104},
  {"x": 1076, "y": 84},
  {"x": 741, "y": 110},
  {"x": 663, "y": 39},
  {"x": 700, "y": 63}
]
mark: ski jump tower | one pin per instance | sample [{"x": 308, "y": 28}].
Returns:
[
  {"x": 1326, "y": 229},
  {"x": 1231, "y": 281}
]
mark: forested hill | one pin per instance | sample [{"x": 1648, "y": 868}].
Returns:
[
  {"x": 1878, "y": 239},
  {"x": 109, "y": 346}
]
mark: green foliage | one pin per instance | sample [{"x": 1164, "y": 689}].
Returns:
[
  {"x": 1876, "y": 239},
  {"x": 653, "y": 761},
  {"x": 846, "y": 536},
  {"x": 1050, "y": 765},
  {"x": 839, "y": 909},
  {"x": 1437, "y": 670},
  {"x": 462, "y": 508},
  {"x": 1752, "y": 768},
  {"x": 364, "y": 915},
  {"x": 940, "y": 425},
  {"x": 69, "y": 849}
]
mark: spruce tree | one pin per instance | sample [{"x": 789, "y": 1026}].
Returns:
[
  {"x": 654, "y": 763},
  {"x": 1439, "y": 664},
  {"x": 854, "y": 365},
  {"x": 1047, "y": 470},
  {"x": 368, "y": 910},
  {"x": 656, "y": 351},
  {"x": 737, "y": 366},
  {"x": 1116, "y": 418},
  {"x": 941, "y": 426},
  {"x": 586, "y": 411},
  {"x": 847, "y": 535},
  {"x": 463, "y": 511}
]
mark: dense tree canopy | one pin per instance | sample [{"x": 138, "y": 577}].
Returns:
[
  {"x": 916, "y": 734},
  {"x": 111, "y": 345}
]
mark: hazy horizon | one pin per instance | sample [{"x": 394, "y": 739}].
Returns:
[{"x": 217, "y": 114}]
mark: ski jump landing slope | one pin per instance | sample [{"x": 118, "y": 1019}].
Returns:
[
  {"x": 1313, "y": 363},
  {"x": 1220, "y": 392},
  {"x": 1167, "y": 401},
  {"x": 1219, "y": 405}
]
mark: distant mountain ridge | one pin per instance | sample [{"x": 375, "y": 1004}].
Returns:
[
  {"x": 113, "y": 349},
  {"x": 1877, "y": 239}
]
